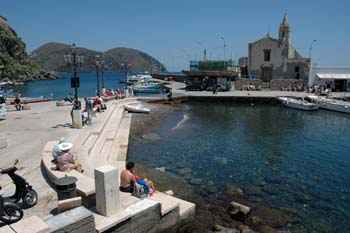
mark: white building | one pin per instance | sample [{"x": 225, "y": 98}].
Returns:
[{"x": 336, "y": 78}]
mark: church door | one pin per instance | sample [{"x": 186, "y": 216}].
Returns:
[{"x": 266, "y": 74}]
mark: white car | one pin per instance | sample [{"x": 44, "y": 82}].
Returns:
[{"x": 3, "y": 111}]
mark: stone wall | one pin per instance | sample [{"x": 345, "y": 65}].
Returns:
[
  {"x": 243, "y": 84},
  {"x": 78, "y": 220},
  {"x": 288, "y": 85}
]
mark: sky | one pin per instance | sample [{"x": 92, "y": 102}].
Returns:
[{"x": 175, "y": 32}]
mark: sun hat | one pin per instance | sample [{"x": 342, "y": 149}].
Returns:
[{"x": 65, "y": 146}]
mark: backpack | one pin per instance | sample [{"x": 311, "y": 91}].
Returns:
[{"x": 139, "y": 191}]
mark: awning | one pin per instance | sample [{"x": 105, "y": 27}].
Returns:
[{"x": 333, "y": 76}]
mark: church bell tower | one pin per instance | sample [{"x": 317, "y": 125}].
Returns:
[{"x": 284, "y": 32}]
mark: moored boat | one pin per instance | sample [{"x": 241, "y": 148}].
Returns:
[
  {"x": 136, "y": 108},
  {"x": 298, "y": 104},
  {"x": 331, "y": 104}
]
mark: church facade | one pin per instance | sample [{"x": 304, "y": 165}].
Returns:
[{"x": 270, "y": 58}]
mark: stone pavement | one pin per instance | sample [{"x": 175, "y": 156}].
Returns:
[{"x": 23, "y": 135}]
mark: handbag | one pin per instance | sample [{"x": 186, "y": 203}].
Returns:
[{"x": 139, "y": 191}]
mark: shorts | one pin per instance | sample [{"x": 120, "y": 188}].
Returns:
[{"x": 129, "y": 189}]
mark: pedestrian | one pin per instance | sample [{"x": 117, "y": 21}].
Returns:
[
  {"x": 89, "y": 109},
  {"x": 18, "y": 104}
]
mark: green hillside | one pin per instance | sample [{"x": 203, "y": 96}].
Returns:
[{"x": 50, "y": 56}]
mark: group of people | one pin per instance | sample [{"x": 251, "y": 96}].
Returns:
[
  {"x": 117, "y": 92},
  {"x": 66, "y": 161},
  {"x": 91, "y": 104}
]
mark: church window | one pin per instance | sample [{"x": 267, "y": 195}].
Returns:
[
  {"x": 267, "y": 54},
  {"x": 284, "y": 36}
]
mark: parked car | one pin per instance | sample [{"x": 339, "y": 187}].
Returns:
[
  {"x": 219, "y": 87},
  {"x": 3, "y": 110}
]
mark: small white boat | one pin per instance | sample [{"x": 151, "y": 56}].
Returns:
[
  {"x": 298, "y": 104},
  {"x": 331, "y": 104},
  {"x": 136, "y": 108}
]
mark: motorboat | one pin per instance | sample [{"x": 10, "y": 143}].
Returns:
[
  {"x": 298, "y": 104},
  {"x": 136, "y": 108},
  {"x": 331, "y": 104}
]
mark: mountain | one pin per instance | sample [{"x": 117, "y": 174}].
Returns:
[
  {"x": 15, "y": 65},
  {"x": 50, "y": 56}
]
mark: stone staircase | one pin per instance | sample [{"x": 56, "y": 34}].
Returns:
[{"x": 107, "y": 143}]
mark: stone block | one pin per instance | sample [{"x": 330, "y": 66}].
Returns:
[
  {"x": 26, "y": 107},
  {"x": 75, "y": 220},
  {"x": 31, "y": 225},
  {"x": 145, "y": 216},
  {"x": 107, "y": 193},
  {"x": 77, "y": 121},
  {"x": 69, "y": 204},
  {"x": 169, "y": 222}
]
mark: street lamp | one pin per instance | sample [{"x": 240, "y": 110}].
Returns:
[
  {"x": 76, "y": 61},
  {"x": 310, "y": 69},
  {"x": 99, "y": 63},
  {"x": 126, "y": 67},
  {"x": 222, "y": 38},
  {"x": 314, "y": 41}
]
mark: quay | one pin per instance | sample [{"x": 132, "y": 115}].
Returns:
[{"x": 29, "y": 136}]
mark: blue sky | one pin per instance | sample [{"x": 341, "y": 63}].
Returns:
[{"x": 176, "y": 31}]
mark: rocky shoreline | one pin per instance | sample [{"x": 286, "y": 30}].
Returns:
[
  {"x": 215, "y": 210},
  {"x": 31, "y": 78}
]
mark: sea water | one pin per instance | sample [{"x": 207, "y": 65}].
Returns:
[
  {"x": 59, "y": 88},
  {"x": 297, "y": 160}
]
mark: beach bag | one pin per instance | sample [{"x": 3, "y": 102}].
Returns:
[{"x": 139, "y": 191}]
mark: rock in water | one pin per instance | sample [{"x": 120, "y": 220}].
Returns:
[
  {"x": 238, "y": 211},
  {"x": 185, "y": 171},
  {"x": 196, "y": 181},
  {"x": 151, "y": 137}
]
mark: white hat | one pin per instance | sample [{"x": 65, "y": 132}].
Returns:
[{"x": 65, "y": 146}]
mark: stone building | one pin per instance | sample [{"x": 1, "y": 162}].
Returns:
[{"x": 270, "y": 58}]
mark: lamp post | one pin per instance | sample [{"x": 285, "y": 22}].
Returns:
[
  {"x": 102, "y": 72},
  {"x": 126, "y": 67},
  {"x": 310, "y": 54},
  {"x": 222, "y": 38},
  {"x": 99, "y": 63},
  {"x": 76, "y": 61}
]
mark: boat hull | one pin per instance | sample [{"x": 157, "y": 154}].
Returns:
[
  {"x": 136, "y": 108},
  {"x": 298, "y": 104},
  {"x": 330, "y": 104}
]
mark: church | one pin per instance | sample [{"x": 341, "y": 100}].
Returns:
[{"x": 275, "y": 59}]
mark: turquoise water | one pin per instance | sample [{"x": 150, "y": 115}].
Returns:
[
  {"x": 61, "y": 87},
  {"x": 294, "y": 160}
]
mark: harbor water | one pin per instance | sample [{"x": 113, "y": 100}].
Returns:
[
  {"x": 59, "y": 88},
  {"x": 291, "y": 162}
]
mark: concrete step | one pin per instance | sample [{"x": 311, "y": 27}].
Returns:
[
  {"x": 167, "y": 203},
  {"x": 104, "y": 223},
  {"x": 120, "y": 143}
]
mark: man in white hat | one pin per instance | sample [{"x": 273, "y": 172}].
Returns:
[{"x": 67, "y": 161}]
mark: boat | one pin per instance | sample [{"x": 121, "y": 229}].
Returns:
[
  {"x": 136, "y": 108},
  {"x": 331, "y": 104},
  {"x": 298, "y": 104},
  {"x": 147, "y": 89}
]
